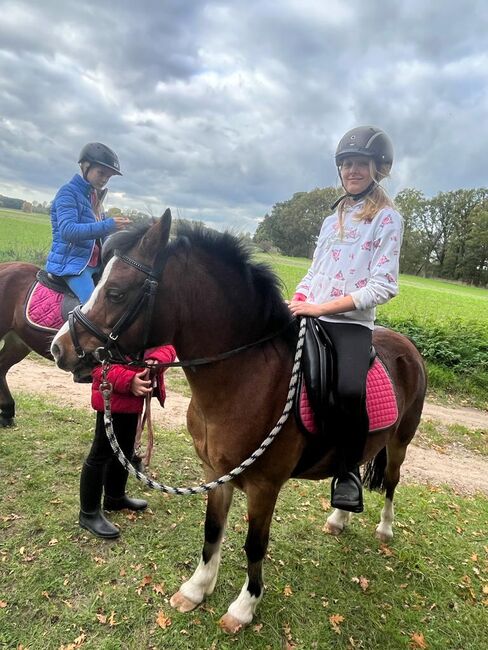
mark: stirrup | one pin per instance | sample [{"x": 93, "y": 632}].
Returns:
[{"x": 342, "y": 498}]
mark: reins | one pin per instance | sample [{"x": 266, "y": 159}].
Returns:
[{"x": 106, "y": 390}]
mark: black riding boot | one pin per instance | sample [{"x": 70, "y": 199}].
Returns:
[
  {"x": 347, "y": 491},
  {"x": 91, "y": 516},
  {"x": 115, "y": 482}
]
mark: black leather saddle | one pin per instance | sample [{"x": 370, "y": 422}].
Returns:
[{"x": 318, "y": 372}]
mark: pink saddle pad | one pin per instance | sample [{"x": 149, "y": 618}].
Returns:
[
  {"x": 381, "y": 402},
  {"x": 43, "y": 308}
]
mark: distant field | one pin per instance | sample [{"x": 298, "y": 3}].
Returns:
[{"x": 24, "y": 237}]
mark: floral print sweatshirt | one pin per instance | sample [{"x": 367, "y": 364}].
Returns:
[{"x": 363, "y": 263}]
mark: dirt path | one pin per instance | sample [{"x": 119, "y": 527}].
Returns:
[{"x": 467, "y": 473}]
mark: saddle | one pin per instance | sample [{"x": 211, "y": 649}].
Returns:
[
  {"x": 49, "y": 302},
  {"x": 315, "y": 394}
]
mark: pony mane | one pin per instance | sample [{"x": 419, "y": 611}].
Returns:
[
  {"x": 236, "y": 253},
  {"x": 123, "y": 240}
]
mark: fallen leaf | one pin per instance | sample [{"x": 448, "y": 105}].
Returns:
[
  {"x": 418, "y": 640},
  {"x": 158, "y": 589},
  {"x": 386, "y": 551},
  {"x": 257, "y": 628},
  {"x": 102, "y": 618},
  {"x": 485, "y": 589},
  {"x": 111, "y": 620},
  {"x": 52, "y": 542},
  {"x": 335, "y": 621},
  {"x": 287, "y": 591},
  {"x": 363, "y": 583},
  {"x": 3, "y": 604},
  {"x": 162, "y": 620}
]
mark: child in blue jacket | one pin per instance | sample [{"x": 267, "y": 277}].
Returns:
[{"x": 78, "y": 223}]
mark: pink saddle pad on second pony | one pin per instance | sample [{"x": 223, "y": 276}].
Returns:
[
  {"x": 381, "y": 402},
  {"x": 43, "y": 308}
]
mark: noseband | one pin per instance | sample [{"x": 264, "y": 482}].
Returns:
[
  {"x": 144, "y": 299},
  {"x": 110, "y": 351}
]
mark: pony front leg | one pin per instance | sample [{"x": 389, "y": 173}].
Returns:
[
  {"x": 337, "y": 521},
  {"x": 261, "y": 503},
  {"x": 202, "y": 583}
]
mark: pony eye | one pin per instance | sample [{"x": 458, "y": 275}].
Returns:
[{"x": 115, "y": 296}]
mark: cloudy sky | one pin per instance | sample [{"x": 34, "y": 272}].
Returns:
[{"x": 221, "y": 109}]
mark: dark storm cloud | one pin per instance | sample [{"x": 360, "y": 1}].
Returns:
[{"x": 220, "y": 109}]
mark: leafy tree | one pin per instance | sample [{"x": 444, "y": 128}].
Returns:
[{"x": 293, "y": 225}]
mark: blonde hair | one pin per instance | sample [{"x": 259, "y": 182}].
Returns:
[{"x": 375, "y": 201}]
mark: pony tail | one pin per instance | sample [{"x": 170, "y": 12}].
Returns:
[{"x": 374, "y": 472}]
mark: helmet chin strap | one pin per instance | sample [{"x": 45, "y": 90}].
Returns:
[
  {"x": 85, "y": 171},
  {"x": 354, "y": 197}
]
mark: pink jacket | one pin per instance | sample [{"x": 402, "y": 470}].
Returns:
[{"x": 123, "y": 400}]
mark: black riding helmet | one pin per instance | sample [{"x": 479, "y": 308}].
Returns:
[
  {"x": 365, "y": 141},
  {"x": 97, "y": 153}
]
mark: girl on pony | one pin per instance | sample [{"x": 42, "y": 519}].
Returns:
[
  {"x": 354, "y": 269},
  {"x": 102, "y": 471},
  {"x": 78, "y": 222}
]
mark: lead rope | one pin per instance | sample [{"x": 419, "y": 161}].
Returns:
[{"x": 106, "y": 390}]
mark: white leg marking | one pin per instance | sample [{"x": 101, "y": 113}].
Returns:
[
  {"x": 202, "y": 582},
  {"x": 244, "y": 607},
  {"x": 338, "y": 520},
  {"x": 384, "y": 530}
]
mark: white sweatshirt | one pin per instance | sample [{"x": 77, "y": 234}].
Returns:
[{"x": 362, "y": 264}]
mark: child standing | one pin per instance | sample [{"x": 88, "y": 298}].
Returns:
[{"x": 102, "y": 472}]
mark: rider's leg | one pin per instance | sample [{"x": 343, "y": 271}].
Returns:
[
  {"x": 82, "y": 285},
  {"x": 352, "y": 345}
]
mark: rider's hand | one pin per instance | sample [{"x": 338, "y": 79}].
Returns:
[
  {"x": 121, "y": 222},
  {"x": 141, "y": 385},
  {"x": 300, "y": 308}
]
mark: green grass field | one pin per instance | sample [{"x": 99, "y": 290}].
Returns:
[
  {"x": 61, "y": 588},
  {"x": 24, "y": 237}
]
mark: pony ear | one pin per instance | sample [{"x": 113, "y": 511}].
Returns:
[{"x": 156, "y": 238}]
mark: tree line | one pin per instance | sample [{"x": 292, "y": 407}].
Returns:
[{"x": 445, "y": 236}]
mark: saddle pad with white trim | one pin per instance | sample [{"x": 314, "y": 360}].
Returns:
[{"x": 43, "y": 308}]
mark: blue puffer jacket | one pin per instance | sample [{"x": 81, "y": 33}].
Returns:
[{"x": 75, "y": 228}]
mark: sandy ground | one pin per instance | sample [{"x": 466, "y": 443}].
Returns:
[{"x": 465, "y": 472}]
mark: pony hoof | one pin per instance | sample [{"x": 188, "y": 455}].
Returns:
[
  {"x": 384, "y": 536},
  {"x": 182, "y": 603},
  {"x": 6, "y": 422},
  {"x": 334, "y": 529},
  {"x": 230, "y": 625}
]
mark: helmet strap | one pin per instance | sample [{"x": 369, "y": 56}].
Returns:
[
  {"x": 86, "y": 170},
  {"x": 354, "y": 197}
]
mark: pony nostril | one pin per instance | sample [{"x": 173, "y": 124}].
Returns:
[{"x": 55, "y": 351}]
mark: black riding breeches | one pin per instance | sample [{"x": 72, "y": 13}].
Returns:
[{"x": 349, "y": 421}]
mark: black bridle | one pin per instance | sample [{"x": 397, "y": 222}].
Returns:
[
  {"x": 111, "y": 351},
  {"x": 144, "y": 299}
]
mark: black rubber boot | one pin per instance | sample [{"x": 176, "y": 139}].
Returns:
[
  {"x": 91, "y": 516},
  {"x": 347, "y": 491},
  {"x": 120, "y": 503}
]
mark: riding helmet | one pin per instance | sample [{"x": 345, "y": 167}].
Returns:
[
  {"x": 97, "y": 153},
  {"x": 365, "y": 141}
]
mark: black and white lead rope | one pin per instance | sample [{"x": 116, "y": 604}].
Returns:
[{"x": 106, "y": 390}]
